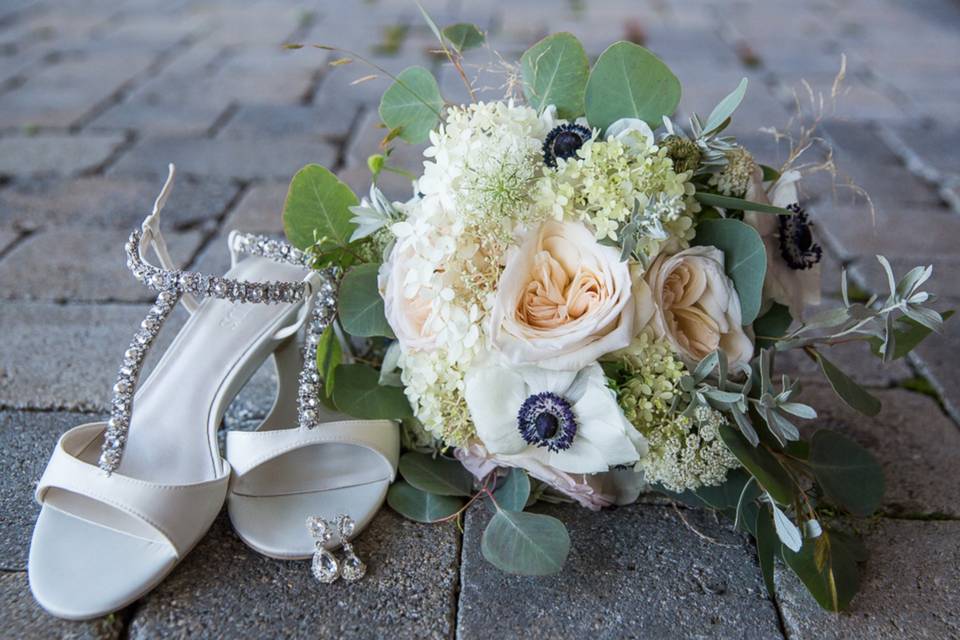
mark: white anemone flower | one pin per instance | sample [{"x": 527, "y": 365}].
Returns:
[
  {"x": 793, "y": 258},
  {"x": 566, "y": 420}
]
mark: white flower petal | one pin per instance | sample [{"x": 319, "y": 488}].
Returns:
[{"x": 494, "y": 396}]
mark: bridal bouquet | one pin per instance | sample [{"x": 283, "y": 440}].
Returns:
[{"x": 583, "y": 300}]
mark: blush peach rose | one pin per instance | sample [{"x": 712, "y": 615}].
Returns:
[
  {"x": 696, "y": 305},
  {"x": 563, "y": 299}
]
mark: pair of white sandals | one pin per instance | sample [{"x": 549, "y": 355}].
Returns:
[{"x": 124, "y": 501}]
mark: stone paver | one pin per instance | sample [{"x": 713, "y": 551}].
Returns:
[
  {"x": 676, "y": 583},
  {"x": 245, "y": 158},
  {"x": 56, "y": 356},
  {"x": 97, "y": 202},
  {"x": 225, "y": 589},
  {"x": 28, "y": 439},
  {"x": 23, "y": 617},
  {"x": 56, "y": 154},
  {"x": 916, "y": 444},
  {"x": 81, "y": 264},
  {"x": 908, "y": 588}
]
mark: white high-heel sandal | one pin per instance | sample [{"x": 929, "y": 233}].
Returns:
[
  {"x": 124, "y": 501},
  {"x": 316, "y": 464}
]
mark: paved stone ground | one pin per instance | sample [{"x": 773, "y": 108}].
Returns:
[{"x": 96, "y": 97}]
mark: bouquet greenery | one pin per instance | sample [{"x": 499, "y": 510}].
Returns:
[{"x": 583, "y": 300}]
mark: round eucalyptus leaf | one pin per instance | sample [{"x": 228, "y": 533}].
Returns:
[
  {"x": 745, "y": 260},
  {"x": 555, "y": 71},
  {"x": 463, "y": 36},
  {"x": 317, "y": 208},
  {"x": 514, "y": 490},
  {"x": 357, "y": 392},
  {"x": 528, "y": 544},
  {"x": 848, "y": 474},
  {"x": 412, "y": 104},
  {"x": 360, "y": 304},
  {"x": 828, "y": 571},
  {"x": 630, "y": 82},
  {"x": 421, "y": 506},
  {"x": 436, "y": 475}
]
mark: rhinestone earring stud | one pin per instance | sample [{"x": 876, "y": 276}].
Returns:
[
  {"x": 325, "y": 567},
  {"x": 352, "y": 568}
]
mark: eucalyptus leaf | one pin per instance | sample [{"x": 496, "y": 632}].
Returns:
[
  {"x": 725, "y": 107},
  {"x": 436, "y": 475},
  {"x": 360, "y": 305},
  {"x": 772, "y": 325},
  {"x": 630, "y": 82},
  {"x": 421, "y": 506},
  {"x": 412, "y": 104},
  {"x": 748, "y": 497},
  {"x": 555, "y": 71},
  {"x": 358, "y": 393},
  {"x": 513, "y": 491},
  {"x": 835, "y": 581},
  {"x": 745, "y": 260},
  {"x": 908, "y": 334},
  {"x": 761, "y": 464},
  {"x": 738, "y": 204},
  {"x": 769, "y": 173},
  {"x": 849, "y": 391},
  {"x": 317, "y": 208},
  {"x": 727, "y": 495},
  {"x": 848, "y": 474},
  {"x": 528, "y": 544},
  {"x": 767, "y": 545},
  {"x": 463, "y": 36},
  {"x": 329, "y": 356}
]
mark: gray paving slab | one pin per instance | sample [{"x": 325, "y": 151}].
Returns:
[
  {"x": 122, "y": 203},
  {"x": 908, "y": 588},
  {"x": 81, "y": 264},
  {"x": 260, "y": 209},
  {"x": 56, "y": 356},
  {"x": 225, "y": 589},
  {"x": 636, "y": 572},
  {"x": 308, "y": 121},
  {"x": 28, "y": 439},
  {"x": 56, "y": 154},
  {"x": 916, "y": 444},
  {"x": 23, "y": 618},
  {"x": 245, "y": 159}
]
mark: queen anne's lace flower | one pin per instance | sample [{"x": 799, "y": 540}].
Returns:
[
  {"x": 686, "y": 454},
  {"x": 486, "y": 158},
  {"x": 734, "y": 178}
]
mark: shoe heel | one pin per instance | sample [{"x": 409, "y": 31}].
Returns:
[{"x": 288, "y": 360}]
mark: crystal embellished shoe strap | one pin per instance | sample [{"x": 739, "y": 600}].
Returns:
[
  {"x": 322, "y": 312},
  {"x": 173, "y": 285}
]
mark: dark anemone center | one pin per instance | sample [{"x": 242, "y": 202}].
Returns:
[
  {"x": 797, "y": 246},
  {"x": 563, "y": 142},
  {"x": 546, "y": 420},
  {"x": 547, "y": 425}
]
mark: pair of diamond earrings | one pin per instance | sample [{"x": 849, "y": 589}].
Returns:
[{"x": 326, "y": 568}]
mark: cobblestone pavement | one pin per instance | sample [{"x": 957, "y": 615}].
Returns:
[{"x": 97, "y": 96}]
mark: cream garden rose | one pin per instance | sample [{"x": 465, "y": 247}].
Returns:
[
  {"x": 563, "y": 299},
  {"x": 696, "y": 305}
]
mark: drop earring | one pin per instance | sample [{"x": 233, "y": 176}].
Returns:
[
  {"x": 352, "y": 568},
  {"x": 325, "y": 567}
]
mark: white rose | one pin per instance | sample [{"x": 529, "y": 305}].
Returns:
[
  {"x": 407, "y": 303},
  {"x": 697, "y": 308},
  {"x": 563, "y": 299}
]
